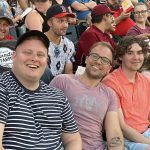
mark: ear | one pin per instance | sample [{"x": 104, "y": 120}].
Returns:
[
  {"x": 86, "y": 59},
  {"x": 109, "y": 69},
  {"x": 13, "y": 57},
  {"x": 49, "y": 22}
]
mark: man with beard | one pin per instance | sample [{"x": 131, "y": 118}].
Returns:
[
  {"x": 93, "y": 103},
  {"x": 61, "y": 49},
  {"x": 132, "y": 89}
]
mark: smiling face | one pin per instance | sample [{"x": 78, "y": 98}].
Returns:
[
  {"x": 133, "y": 59},
  {"x": 96, "y": 69},
  {"x": 29, "y": 61},
  {"x": 4, "y": 28},
  {"x": 140, "y": 13}
]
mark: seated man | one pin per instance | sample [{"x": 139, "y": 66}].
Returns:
[
  {"x": 93, "y": 103},
  {"x": 133, "y": 90},
  {"x": 61, "y": 49},
  {"x": 32, "y": 114},
  {"x": 5, "y": 24},
  {"x": 101, "y": 23}
]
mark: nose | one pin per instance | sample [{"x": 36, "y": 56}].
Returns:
[
  {"x": 34, "y": 57},
  {"x": 135, "y": 56}
]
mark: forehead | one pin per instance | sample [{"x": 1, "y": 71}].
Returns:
[
  {"x": 34, "y": 44},
  {"x": 4, "y": 21},
  {"x": 135, "y": 47},
  {"x": 140, "y": 7},
  {"x": 62, "y": 18},
  {"x": 102, "y": 51}
]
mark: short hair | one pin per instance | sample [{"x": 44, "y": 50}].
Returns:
[
  {"x": 96, "y": 19},
  {"x": 125, "y": 44},
  {"x": 139, "y": 4}
]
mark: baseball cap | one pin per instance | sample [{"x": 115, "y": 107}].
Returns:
[
  {"x": 58, "y": 11},
  {"x": 8, "y": 19},
  {"x": 33, "y": 33},
  {"x": 100, "y": 9}
]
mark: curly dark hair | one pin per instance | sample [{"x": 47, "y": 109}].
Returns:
[{"x": 125, "y": 44}]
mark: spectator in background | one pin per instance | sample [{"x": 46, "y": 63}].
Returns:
[
  {"x": 61, "y": 49},
  {"x": 36, "y": 19},
  {"x": 132, "y": 89},
  {"x": 101, "y": 22},
  {"x": 122, "y": 19},
  {"x": 82, "y": 7},
  {"x": 142, "y": 27},
  {"x": 32, "y": 114},
  {"x": 94, "y": 104},
  {"x": 5, "y": 24}
]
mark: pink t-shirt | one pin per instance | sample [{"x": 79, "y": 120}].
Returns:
[{"x": 89, "y": 105}]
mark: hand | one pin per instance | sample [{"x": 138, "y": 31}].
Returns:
[{"x": 124, "y": 15}]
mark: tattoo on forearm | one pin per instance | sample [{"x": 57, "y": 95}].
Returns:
[{"x": 115, "y": 142}]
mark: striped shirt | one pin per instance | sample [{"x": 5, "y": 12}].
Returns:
[{"x": 33, "y": 119}]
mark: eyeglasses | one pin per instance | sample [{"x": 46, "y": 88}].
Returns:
[
  {"x": 103, "y": 60},
  {"x": 140, "y": 12}
]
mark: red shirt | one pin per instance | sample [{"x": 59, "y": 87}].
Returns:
[
  {"x": 87, "y": 39},
  {"x": 123, "y": 26}
]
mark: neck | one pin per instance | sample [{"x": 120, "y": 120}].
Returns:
[
  {"x": 131, "y": 75},
  {"x": 89, "y": 81},
  {"x": 53, "y": 37},
  {"x": 28, "y": 84},
  {"x": 100, "y": 26},
  {"x": 141, "y": 25}
]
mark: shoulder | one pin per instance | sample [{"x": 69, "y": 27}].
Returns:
[
  {"x": 109, "y": 91},
  {"x": 34, "y": 14},
  {"x": 66, "y": 40}
]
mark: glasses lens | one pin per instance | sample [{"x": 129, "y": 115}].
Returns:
[{"x": 103, "y": 60}]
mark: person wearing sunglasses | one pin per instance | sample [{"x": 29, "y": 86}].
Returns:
[{"x": 94, "y": 104}]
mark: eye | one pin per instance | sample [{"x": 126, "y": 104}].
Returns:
[
  {"x": 105, "y": 60},
  {"x": 41, "y": 55},
  {"x": 28, "y": 53},
  {"x": 129, "y": 53},
  {"x": 140, "y": 52}
]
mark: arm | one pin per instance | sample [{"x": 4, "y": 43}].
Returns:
[
  {"x": 90, "y": 4},
  {"x": 72, "y": 141},
  {"x": 68, "y": 68},
  {"x": 34, "y": 24},
  {"x": 79, "y": 6},
  {"x": 23, "y": 4},
  {"x": 113, "y": 131},
  {"x": 131, "y": 133},
  {"x": 1, "y": 135},
  {"x": 122, "y": 16}
]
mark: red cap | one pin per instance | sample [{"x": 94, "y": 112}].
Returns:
[{"x": 100, "y": 9}]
